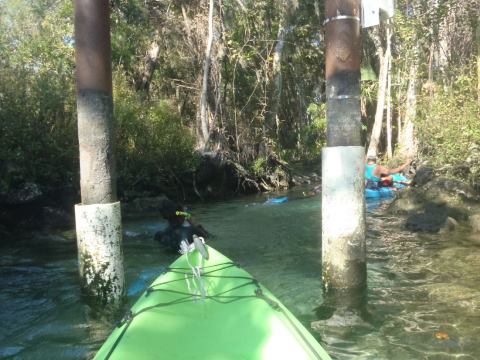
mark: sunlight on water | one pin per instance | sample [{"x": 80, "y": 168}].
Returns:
[{"x": 423, "y": 298}]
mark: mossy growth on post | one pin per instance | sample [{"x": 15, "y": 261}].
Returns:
[{"x": 99, "y": 238}]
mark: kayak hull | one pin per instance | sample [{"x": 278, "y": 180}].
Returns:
[
  {"x": 230, "y": 317},
  {"x": 380, "y": 193}
]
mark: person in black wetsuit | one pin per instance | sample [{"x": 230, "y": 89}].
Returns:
[{"x": 180, "y": 227}]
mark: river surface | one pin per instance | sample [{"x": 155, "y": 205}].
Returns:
[{"x": 422, "y": 302}]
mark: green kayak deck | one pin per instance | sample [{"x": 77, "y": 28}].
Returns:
[{"x": 223, "y": 315}]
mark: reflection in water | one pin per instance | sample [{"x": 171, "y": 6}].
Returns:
[{"x": 422, "y": 301}]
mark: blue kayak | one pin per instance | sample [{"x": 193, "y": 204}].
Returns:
[
  {"x": 279, "y": 200},
  {"x": 381, "y": 192},
  {"x": 399, "y": 181}
]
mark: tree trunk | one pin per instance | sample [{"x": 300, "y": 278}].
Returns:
[
  {"x": 384, "y": 58},
  {"x": 343, "y": 243},
  {"x": 389, "y": 111},
  {"x": 443, "y": 54},
  {"x": 150, "y": 65},
  {"x": 407, "y": 145},
  {"x": 98, "y": 220},
  {"x": 188, "y": 26},
  {"x": 301, "y": 106},
  {"x": 478, "y": 60},
  {"x": 203, "y": 117},
  {"x": 399, "y": 108},
  {"x": 217, "y": 68},
  {"x": 389, "y": 94},
  {"x": 277, "y": 67}
]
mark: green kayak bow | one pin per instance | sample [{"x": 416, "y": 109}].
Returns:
[{"x": 211, "y": 309}]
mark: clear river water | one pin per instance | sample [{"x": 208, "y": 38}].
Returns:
[{"x": 422, "y": 301}]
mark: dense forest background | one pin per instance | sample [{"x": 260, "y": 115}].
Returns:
[{"x": 240, "y": 78}]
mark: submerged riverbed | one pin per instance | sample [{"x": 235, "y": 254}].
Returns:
[{"x": 422, "y": 302}]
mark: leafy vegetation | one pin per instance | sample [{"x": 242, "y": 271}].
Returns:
[
  {"x": 153, "y": 144},
  {"x": 259, "y": 167},
  {"x": 314, "y": 135},
  {"x": 434, "y": 76},
  {"x": 37, "y": 113},
  {"x": 448, "y": 127},
  {"x": 156, "y": 94}
]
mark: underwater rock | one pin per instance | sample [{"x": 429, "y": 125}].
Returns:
[
  {"x": 449, "y": 225},
  {"x": 474, "y": 221}
]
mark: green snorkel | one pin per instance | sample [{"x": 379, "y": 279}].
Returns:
[{"x": 185, "y": 214}]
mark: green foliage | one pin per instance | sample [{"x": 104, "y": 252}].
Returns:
[
  {"x": 367, "y": 73},
  {"x": 37, "y": 132},
  {"x": 129, "y": 40},
  {"x": 155, "y": 126},
  {"x": 37, "y": 112},
  {"x": 259, "y": 167},
  {"x": 448, "y": 126},
  {"x": 314, "y": 135},
  {"x": 250, "y": 94},
  {"x": 38, "y": 126},
  {"x": 152, "y": 143},
  {"x": 369, "y": 90}
]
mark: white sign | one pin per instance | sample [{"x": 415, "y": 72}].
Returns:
[{"x": 370, "y": 13}]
